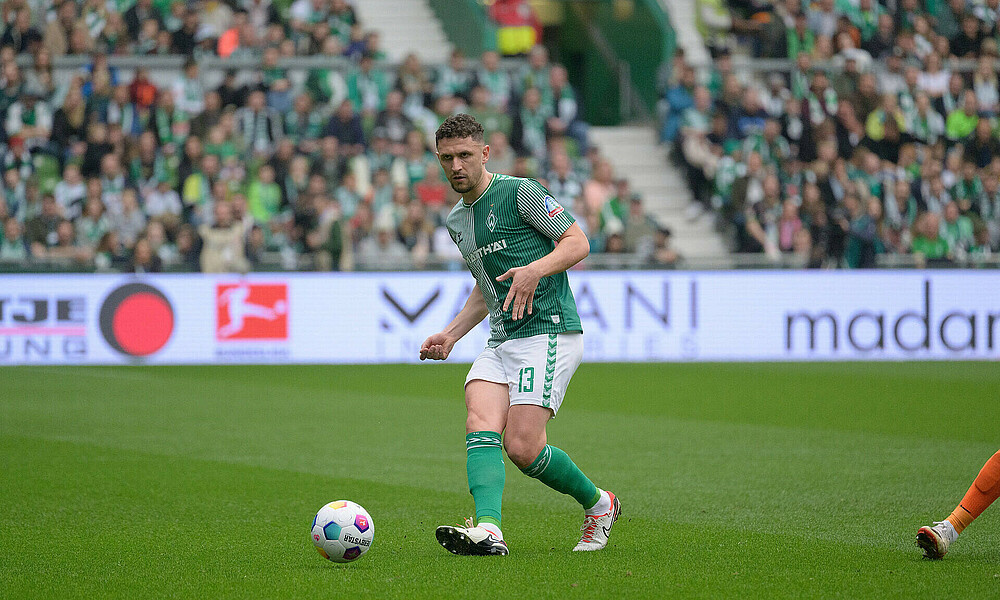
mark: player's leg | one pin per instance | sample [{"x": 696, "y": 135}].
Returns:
[
  {"x": 487, "y": 403},
  {"x": 486, "y": 400},
  {"x": 542, "y": 367},
  {"x": 525, "y": 443},
  {"x": 934, "y": 540}
]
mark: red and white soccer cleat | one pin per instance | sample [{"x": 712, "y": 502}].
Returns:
[{"x": 597, "y": 528}]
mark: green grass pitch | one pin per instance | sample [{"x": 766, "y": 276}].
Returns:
[{"x": 767, "y": 480}]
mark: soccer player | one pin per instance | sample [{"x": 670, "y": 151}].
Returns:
[
  {"x": 935, "y": 540},
  {"x": 518, "y": 242}
]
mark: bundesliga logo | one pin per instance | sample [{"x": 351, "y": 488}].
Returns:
[
  {"x": 248, "y": 311},
  {"x": 552, "y": 207}
]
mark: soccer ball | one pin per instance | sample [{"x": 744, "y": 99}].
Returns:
[{"x": 342, "y": 531}]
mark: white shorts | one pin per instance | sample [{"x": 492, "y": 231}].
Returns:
[{"x": 536, "y": 369}]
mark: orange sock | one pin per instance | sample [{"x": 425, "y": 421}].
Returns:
[{"x": 983, "y": 492}]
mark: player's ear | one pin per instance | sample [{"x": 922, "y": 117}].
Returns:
[{"x": 486, "y": 153}]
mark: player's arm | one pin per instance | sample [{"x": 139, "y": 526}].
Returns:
[
  {"x": 540, "y": 210},
  {"x": 571, "y": 247},
  {"x": 439, "y": 345}
]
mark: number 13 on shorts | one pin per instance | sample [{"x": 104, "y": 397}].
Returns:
[{"x": 526, "y": 380}]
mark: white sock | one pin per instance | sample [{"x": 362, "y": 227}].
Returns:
[
  {"x": 603, "y": 505},
  {"x": 492, "y": 529}
]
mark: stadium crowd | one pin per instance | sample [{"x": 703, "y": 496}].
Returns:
[
  {"x": 876, "y": 141},
  {"x": 331, "y": 170}
]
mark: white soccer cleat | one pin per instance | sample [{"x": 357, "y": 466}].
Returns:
[
  {"x": 597, "y": 528},
  {"x": 934, "y": 541},
  {"x": 470, "y": 540}
]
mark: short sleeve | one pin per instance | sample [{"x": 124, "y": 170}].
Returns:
[{"x": 539, "y": 209}]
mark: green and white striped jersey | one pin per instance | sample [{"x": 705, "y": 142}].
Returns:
[{"x": 513, "y": 223}]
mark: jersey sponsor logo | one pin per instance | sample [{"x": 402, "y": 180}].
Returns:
[
  {"x": 552, "y": 207},
  {"x": 479, "y": 253},
  {"x": 251, "y": 311}
]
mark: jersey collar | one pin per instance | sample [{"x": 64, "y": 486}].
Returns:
[{"x": 493, "y": 177}]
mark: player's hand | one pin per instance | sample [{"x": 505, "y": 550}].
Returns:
[
  {"x": 522, "y": 290},
  {"x": 436, "y": 347}
]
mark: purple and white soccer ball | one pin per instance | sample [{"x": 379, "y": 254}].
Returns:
[{"x": 342, "y": 531}]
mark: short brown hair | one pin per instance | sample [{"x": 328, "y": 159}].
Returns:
[{"x": 460, "y": 126}]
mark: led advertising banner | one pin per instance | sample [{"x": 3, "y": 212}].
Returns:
[{"x": 384, "y": 317}]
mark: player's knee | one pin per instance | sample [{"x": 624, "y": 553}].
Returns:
[{"x": 522, "y": 450}]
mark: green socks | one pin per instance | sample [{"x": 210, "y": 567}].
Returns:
[
  {"x": 553, "y": 467},
  {"x": 486, "y": 475},
  {"x": 556, "y": 469}
]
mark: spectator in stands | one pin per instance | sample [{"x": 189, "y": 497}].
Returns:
[
  {"x": 599, "y": 188},
  {"x": 264, "y": 197},
  {"x": 19, "y": 159},
  {"x": 679, "y": 98},
  {"x": 92, "y": 224},
  {"x": 986, "y": 86},
  {"x": 20, "y": 34},
  {"x": 927, "y": 125},
  {"x": 860, "y": 228},
  {"x": 713, "y": 22},
  {"x": 433, "y": 193},
  {"x": 496, "y": 80},
  {"x": 196, "y": 189},
  {"x": 528, "y": 131},
  {"x": 928, "y": 245},
  {"x": 13, "y": 246},
  {"x": 961, "y": 122},
  {"x": 564, "y": 183},
  {"x": 413, "y": 82},
  {"x": 30, "y": 119},
  {"x": 564, "y": 109},
  {"x": 489, "y": 116},
  {"x": 454, "y": 78},
  {"x": 188, "y": 91},
  {"x": 345, "y": 125},
  {"x": 348, "y": 195},
  {"x": 536, "y": 73},
  {"x": 57, "y": 31},
  {"x": 65, "y": 246},
  {"x": 41, "y": 229},
  {"x": 144, "y": 260},
  {"x": 259, "y": 126},
  {"x": 367, "y": 87},
  {"x": 392, "y": 121},
  {"x": 957, "y": 230},
  {"x": 164, "y": 204},
  {"x": 968, "y": 42},
  {"x": 130, "y": 221},
  {"x": 663, "y": 253},
  {"x": 223, "y": 244},
  {"x": 983, "y": 146},
  {"x": 70, "y": 191},
  {"x": 417, "y": 159},
  {"x": 501, "y": 154},
  {"x": 934, "y": 80},
  {"x": 382, "y": 251},
  {"x": 640, "y": 230},
  {"x": 798, "y": 37}
]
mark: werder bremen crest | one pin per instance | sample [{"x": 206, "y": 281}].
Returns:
[{"x": 491, "y": 220}]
